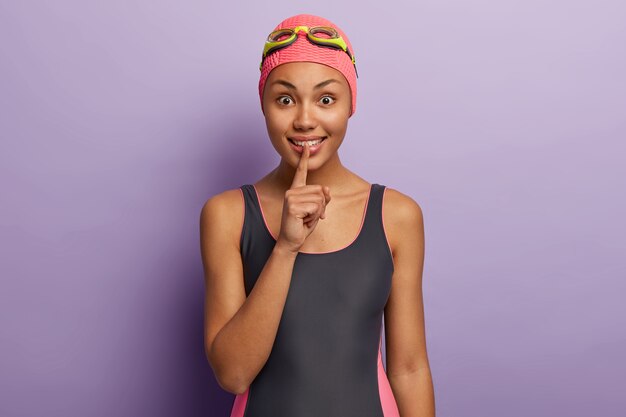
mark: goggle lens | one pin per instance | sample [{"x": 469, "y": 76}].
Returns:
[
  {"x": 324, "y": 33},
  {"x": 280, "y": 35}
]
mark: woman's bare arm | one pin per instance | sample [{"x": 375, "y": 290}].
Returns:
[
  {"x": 408, "y": 368},
  {"x": 239, "y": 331}
]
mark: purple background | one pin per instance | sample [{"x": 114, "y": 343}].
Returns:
[{"x": 504, "y": 120}]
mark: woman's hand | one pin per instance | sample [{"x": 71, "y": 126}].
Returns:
[{"x": 304, "y": 205}]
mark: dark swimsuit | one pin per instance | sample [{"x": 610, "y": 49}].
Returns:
[{"x": 326, "y": 359}]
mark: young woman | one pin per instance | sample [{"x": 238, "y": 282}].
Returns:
[{"x": 301, "y": 265}]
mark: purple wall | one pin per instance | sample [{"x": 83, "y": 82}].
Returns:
[{"x": 505, "y": 120}]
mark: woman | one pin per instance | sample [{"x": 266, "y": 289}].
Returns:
[{"x": 301, "y": 265}]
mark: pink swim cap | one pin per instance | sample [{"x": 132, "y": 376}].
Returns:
[{"x": 303, "y": 50}]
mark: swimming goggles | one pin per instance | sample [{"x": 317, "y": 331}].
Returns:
[{"x": 319, "y": 35}]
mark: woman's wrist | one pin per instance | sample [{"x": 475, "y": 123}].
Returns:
[{"x": 283, "y": 249}]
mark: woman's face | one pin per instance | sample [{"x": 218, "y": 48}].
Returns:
[{"x": 306, "y": 99}]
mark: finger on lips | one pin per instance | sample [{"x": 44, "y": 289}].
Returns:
[{"x": 299, "y": 178}]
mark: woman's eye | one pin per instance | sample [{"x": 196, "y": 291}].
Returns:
[
  {"x": 284, "y": 100},
  {"x": 327, "y": 100}
]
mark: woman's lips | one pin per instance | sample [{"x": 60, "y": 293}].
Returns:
[{"x": 312, "y": 149}]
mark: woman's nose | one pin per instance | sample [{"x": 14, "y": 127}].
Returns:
[{"x": 305, "y": 118}]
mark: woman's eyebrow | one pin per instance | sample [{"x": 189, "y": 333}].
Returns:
[{"x": 293, "y": 87}]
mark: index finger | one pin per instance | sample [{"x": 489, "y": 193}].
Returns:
[{"x": 299, "y": 178}]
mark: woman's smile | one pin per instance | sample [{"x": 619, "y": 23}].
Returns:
[{"x": 314, "y": 145}]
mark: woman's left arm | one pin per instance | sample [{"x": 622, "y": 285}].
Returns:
[{"x": 408, "y": 369}]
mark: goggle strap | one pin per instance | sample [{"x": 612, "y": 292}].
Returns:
[
  {"x": 276, "y": 48},
  {"x": 335, "y": 46}
]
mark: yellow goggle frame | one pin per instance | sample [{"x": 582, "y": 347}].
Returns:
[{"x": 334, "y": 40}]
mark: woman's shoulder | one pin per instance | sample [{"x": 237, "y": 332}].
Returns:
[
  {"x": 224, "y": 212},
  {"x": 401, "y": 205},
  {"x": 224, "y": 200},
  {"x": 401, "y": 213}
]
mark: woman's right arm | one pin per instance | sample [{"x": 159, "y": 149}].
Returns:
[{"x": 239, "y": 331}]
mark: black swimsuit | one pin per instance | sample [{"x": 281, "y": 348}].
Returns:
[{"x": 326, "y": 359}]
